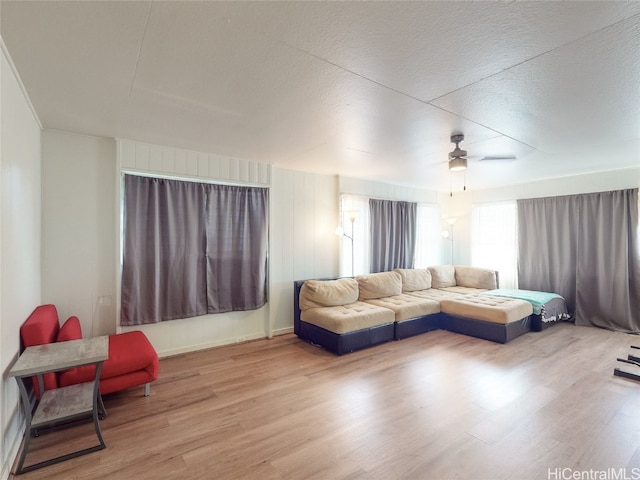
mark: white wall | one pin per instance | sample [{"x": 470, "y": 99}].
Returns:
[
  {"x": 587, "y": 183},
  {"x": 20, "y": 240},
  {"x": 78, "y": 218},
  {"x": 385, "y": 191},
  {"x": 304, "y": 215}
]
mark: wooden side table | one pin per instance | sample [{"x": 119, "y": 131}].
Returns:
[{"x": 64, "y": 404}]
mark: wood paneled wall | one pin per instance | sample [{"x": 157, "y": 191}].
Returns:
[{"x": 146, "y": 158}]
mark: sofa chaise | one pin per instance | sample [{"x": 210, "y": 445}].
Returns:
[{"x": 347, "y": 314}]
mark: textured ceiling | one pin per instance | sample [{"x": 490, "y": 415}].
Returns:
[{"x": 364, "y": 89}]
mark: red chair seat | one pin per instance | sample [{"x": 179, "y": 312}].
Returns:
[{"x": 128, "y": 353}]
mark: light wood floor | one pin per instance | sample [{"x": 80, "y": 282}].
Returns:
[{"x": 435, "y": 406}]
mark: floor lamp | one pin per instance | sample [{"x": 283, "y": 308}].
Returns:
[
  {"x": 448, "y": 234},
  {"x": 340, "y": 232}
]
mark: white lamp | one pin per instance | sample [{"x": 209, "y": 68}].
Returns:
[
  {"x": 448, "y": 234},
  {"x": 352, "y": 215},
  {"x": 457, "y": 164}
]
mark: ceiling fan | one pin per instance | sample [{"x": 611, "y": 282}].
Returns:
[{"x": 458, "y": 157}]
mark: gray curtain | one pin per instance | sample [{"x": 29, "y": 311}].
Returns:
[
  {"x": 237, "y": 248},
  {"x": 190, "y": 249},
  {"x": 393, "y": 234},
  {"x": 584, "y": 247},
  {"x": 547, "y": 246}
]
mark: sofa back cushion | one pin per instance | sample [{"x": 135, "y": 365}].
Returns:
[
  {"x": 443, "y": 276},
  {"x": 378, "y": 285},
  {"x": 39, "y": 329},
  {"x": 414, "y": 279},
  {"x": 71, "y": 330},
  {"x": 328, "y": 293},
  {"x": 476, "y": 277}
]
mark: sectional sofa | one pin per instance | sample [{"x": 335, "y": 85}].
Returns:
[{"x": 347, "y": 314}]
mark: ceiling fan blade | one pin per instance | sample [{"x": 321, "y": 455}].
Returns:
[{"x": 503, "y": 158}]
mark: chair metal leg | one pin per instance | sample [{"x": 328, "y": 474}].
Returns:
[
  {"x": 631, "y": 360},
  {"x": 102, "y": 412},
  {"x": 147, "y": 389}
]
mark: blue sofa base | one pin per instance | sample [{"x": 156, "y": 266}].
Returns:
[
  {"x": 416, "y": 326},
  {"x": 495, "y": 332},
  {"x": 340, "y": 343}
]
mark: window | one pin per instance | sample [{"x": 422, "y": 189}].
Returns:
[
  {"x": 494, "y": 240},
  {"x": 191, "y": 249},
  {"x": 428, "y": 239}
]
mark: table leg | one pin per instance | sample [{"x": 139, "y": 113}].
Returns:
[{"x": 24, "y": 395}]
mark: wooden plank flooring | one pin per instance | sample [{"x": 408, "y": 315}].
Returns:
[{"x": 436, "y": 406}]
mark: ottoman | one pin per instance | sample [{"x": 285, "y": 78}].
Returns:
[
  {"x": 497, "y": 319},
  {"x": 548, "y": 308}
]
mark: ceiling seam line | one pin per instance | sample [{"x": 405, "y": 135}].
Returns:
[
  {"x": 344, "y": 69},
  {"x": 488, "y": 128},
  {"x": 406, "y": 95},
  {"x": 392, "y": 89},
  {"x": 144, "y": 34},
  {"x": 527, "y": 60}
]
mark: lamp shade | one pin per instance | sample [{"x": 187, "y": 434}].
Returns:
[{"x": 457, "y": 164}]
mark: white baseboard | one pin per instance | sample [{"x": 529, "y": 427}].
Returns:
[
  {"x": 206, "y": 345},
  {"x": 282, "y": 331}
]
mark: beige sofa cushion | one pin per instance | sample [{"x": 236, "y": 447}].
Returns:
[
  {"x": 414, "y": 279},
  {"x": 443, "y": 276},
  {"x": 436, "y": 294},
  {"x": 463, "y": 290},
  {"x": 497, "y": 310},
  {"x": 328, "y": 293},
  {"x": 378, "y": 285},
  {"x": 406, "y": 306},
  {"x": 476, "y": 277},
  {"x": 348, "y": 318}
]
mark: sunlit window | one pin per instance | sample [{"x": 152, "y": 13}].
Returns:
[
  {"x": 428, "y": 238},
  {"x": 494, "y": 240}
]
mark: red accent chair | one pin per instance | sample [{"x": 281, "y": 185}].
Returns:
[{"x": 132, "y": 359}]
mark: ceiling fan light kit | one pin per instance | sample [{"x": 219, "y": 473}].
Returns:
[
  {"x": 457, "y": 158},
  {"x": 457, "y": 164}
]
